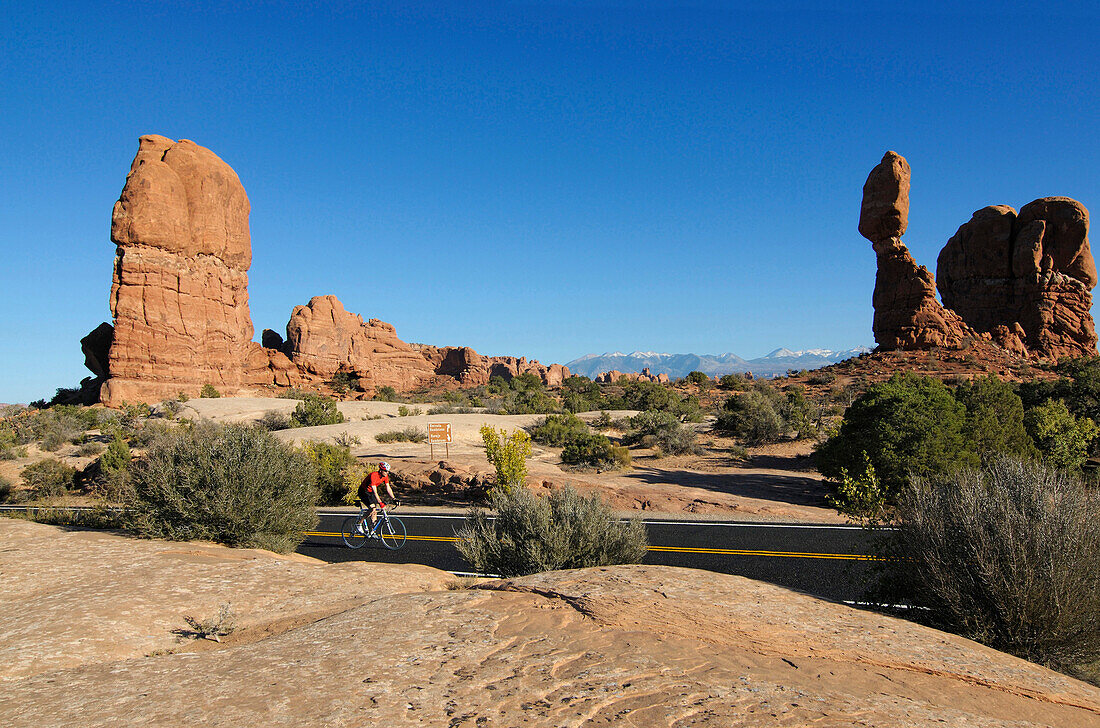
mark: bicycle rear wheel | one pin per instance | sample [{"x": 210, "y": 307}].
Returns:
[
  {"x": 392, "y": 533},
  {"x": 353, "y": 536}
]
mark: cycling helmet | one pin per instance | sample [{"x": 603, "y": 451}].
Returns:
[{"x": 383, "y": 467}]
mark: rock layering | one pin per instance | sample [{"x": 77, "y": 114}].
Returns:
[
  {"x": 180, "y": 291},
  {"x": 180, "y": 301},
  {"x": 1023, "y": 281},
  {"x": 626, "y": 645}
]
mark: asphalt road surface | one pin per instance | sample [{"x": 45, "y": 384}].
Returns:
[{"x": 824, "y": 560}]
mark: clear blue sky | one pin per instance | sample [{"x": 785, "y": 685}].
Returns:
[{"x": 566, "y": 177}]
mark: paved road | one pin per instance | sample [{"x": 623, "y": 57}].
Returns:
[{"x": 824, "y": 560}]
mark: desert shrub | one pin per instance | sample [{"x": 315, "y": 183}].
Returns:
[
  {"x": 603, "y": 422},
  {"x": 662, "y": 430},
  {"x": 89, "y": 449},
  {"x": 208, "y": 392},
  {"x": 385, "y": 394},
  {"x": 508, "y": 453},
  {"x": 344, "y": 381},
  {"x": 315, "y": 410},
  {"x": 861, "y": 496},
  {"x": 699, "y": 379},
  {"x": 995, "y": 417},
  {"x": 232, "y": 484},
  {"x": 48, "y": 478},
  {"x": 450, "y": 409},
  {"x": 273, "y": 421},
  {"x": 595, "y": 451},
  {"x": 558, "y": 430},
  {"x": 348, "y": 440},
  {"x": 215, "y": 627},
  {"x": 113, "y": 475},
  {"x": 409, "y": 434},
  {"x": 331, "y": 464},
  {"x": 754, "y": 416},
  {"x": 6, "y": 489},
  {"x": 821, "y": 377},
  {"x": 403, "y": 411},
  {"x": 581, "y": 394},
  {"x": 528, "y": 401},
  {"x": 907, "y": 424},
  {"x": 149, "y": 432},
  {"x": 734, "y": 382},
  {"x": 801, "y": 417},
  {"x": 1062, "y": 439},
  {"x": 1007, "y": 555},
  {"x": 1078, "y": 387},
  {"x": 564, "y": 530}
]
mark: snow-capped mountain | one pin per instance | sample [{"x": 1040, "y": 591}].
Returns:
[{"x": 680, "y": 365}]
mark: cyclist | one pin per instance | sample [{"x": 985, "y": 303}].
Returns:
[{"x": 368, "y": 490}]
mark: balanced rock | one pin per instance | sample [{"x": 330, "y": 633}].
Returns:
[
  {"x": 1031, "y": 274},
  {"x": 180, "y": 289},
  {"x": 907, "y": 314}
]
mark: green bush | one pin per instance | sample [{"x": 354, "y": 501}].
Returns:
[
  {"x": 558, "y": 430},
  {"x": 736, "y": 382},
  {"x": 662, "y": 430},
  {"x": 754, "y": 416},
  {"x": 1007, "y": 555},
  {"x": 508, "y": 453},
  {"x": 48, "y": 478},
  {"x": 331, "y": 464},
  {"x": 581, "y": 394},
  {"x": 907, "y": 424},
  {"x": 561, "y": 531},
  {"x": 595, "y": 451},
  {"x": 113, "y": 477},
  {"x": 273, "y": 421},
  {"x": 409, "y": 434},
  {"x": 995, "y": 417},
  {"x": 208, "y": 392},
  {"x": 232, "y": 484},
  {"x": 315, "y": 410},
  {"x": 385, "y": 394},
  {"x": 344, "y": 381},
  {"x": 403, "y": 411},
  {"x": 699, "y": 379},
  {"x": 1062, "y": 439}
]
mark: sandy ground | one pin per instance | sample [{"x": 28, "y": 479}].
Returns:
[
  {"x": 88, "y": 636},
  {"x": 776, "y": 485}
]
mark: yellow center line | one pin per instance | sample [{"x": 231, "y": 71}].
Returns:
[{"x": 676, "y": 549}]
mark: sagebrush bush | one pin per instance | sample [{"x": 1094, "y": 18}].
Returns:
[
  {"x": 273, "y": 421},
  {"x": 233, "y": 484},
  {"x": 595, "y": 451},
  {"x": 558, "y": 430},
  {"x": 754, "y": 416},
  {"x": 113, "y": 478},
  {"x": 1008, "y": 555},
  {"x": 409, "y": 434},
  {"x": 662, "y": 430},
  {"x": 208, "y": 392},
  {"x": 564, "y": 530},
  {"x": 315, "y": 410},
  {"x": 48, "y": 478}
]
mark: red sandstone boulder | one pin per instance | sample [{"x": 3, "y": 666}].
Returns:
[
  {"x": 323, "y": 338},
  {"x": 907, "y": 314},
  {"x": 180, "y": 290},
  {"x": 1025, "y": 278}
]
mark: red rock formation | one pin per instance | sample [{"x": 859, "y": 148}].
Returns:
[
  {"x": 907, "y": 314},
  {"x": 180, "y": 301},
  {"x": 1026, "y": 278},
  {"x": 645, "y": 375},
  {"x": 323, "y": 338},
  {"x": 180, "y": 290}
]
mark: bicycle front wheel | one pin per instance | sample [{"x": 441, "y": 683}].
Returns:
[
  {"x": 392, "y": 532},
  {"x": 352, "y": 533}
]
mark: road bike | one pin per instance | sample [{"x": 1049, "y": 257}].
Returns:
[{"x": 357, "y": 530}]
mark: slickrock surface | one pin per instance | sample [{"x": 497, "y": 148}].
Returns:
[
  {"x": 180, "y": 289},
  {"x": 636, "y": 645},
  {"x": 71, "y": 598},
  {"x": 1030, "y": 274}
]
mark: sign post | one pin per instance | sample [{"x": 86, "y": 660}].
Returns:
[{"x": 439, "y": 433}]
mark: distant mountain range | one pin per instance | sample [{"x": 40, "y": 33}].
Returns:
[{"x": 680, "y": 365}]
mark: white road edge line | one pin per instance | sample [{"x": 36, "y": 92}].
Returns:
[{"x": 732, "y": 524}]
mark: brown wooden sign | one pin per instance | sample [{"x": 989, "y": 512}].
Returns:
[{"x": 439, "y": 433}]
